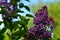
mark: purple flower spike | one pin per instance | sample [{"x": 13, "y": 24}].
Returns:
[{"x": 42, "y": 24}]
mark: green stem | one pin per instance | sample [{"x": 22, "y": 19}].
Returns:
[{"x": 11, "y": 35}]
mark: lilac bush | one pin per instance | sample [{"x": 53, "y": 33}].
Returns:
[
  {"x": 43, "y": 26},
  {"x": 9, "y": 11}
]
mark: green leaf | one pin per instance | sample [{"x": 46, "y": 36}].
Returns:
[
  {"x": 2, "y": 31},
  {"x": 27, "y": 20},
  {"x": 18, "y": 0},
  {"x": 20, "y": 11},
  {"x": 14, "y": 2},
  {"x": 1, "y": 37},
  {"x": 1, "y": 22},
  {"x": 27, "y": 8},
  {"x": 15, "y": 25},
  {"x": 15, "y": 15},
  {"x": 8, "y": 34},
  {"x": 22, "y": 17},
  {"x": 19, "y": 33},
  {"x": 27, "y": 0},
  {"x": 58, "y": 38},
  {"x": 29, "y": 15},
  {"x": 6, "y": 23},
  {"x": 22, "y": 23},
  {"x": 2, "y": 10},
  {"x": 21, "y": 5}
]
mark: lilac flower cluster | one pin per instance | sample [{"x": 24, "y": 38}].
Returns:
[
  {"x": 8, "y": 7},
  {"x": 42, "y": 24}
]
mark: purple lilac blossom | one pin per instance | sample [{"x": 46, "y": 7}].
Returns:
[
  {"x": 3, "y": 1},
  {"x": 41, "y": 20}
]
